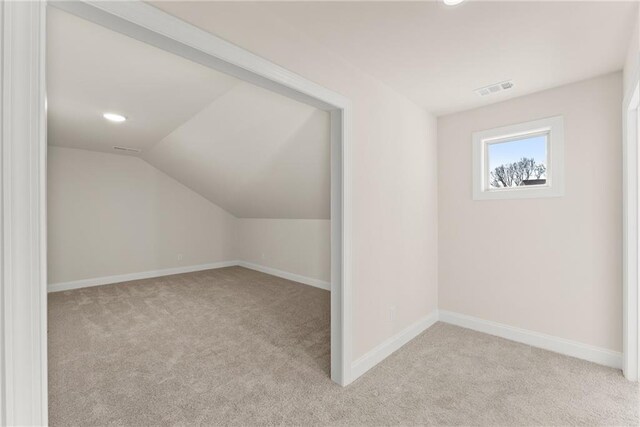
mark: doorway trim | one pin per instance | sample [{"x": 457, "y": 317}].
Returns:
[
  {"x": 630, "y": 230},
  {"x": 23, "y": 299},
  {"x": 23, "y": 286}
]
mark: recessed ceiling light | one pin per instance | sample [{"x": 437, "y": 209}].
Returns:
[
  {"x": 452, "y": 2},
  {"x": 114, "y": 117}
]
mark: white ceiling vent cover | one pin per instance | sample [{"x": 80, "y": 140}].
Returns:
[
  {"x": 495, "y": 88},
  {"x": 128, "y": 149}
]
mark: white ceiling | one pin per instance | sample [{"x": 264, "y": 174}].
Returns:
[
  {"x": 254, "y": 153},
  {"x": 437, "y": 55},
  {"x": 91, "y": 70},
  {"x": 261, "y": 155}
]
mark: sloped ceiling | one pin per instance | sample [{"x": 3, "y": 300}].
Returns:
[
  {"x": 252, "y": 152},
  {"x": 280, "y": 155}
]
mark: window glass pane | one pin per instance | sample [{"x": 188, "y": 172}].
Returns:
[{"x": 518, "y": 162}]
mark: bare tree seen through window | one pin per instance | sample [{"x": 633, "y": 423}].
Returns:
[
  {"x": 518, "y": 161},
  {"x": 522, "y": 172}
]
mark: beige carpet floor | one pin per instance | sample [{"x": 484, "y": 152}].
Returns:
[{"x": 237, "y": 347}]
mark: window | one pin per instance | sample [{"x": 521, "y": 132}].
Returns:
[{"x": 519, "y": 161}]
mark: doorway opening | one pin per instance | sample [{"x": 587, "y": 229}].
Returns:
[{"x": 28, "y": 360}]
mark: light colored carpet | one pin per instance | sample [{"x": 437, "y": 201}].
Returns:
[{"x": 237, "y": 347}]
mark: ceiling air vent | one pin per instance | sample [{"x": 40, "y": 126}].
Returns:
[
  {"x": 495, "y": 88},
  {"x": 128, "y": 149}
]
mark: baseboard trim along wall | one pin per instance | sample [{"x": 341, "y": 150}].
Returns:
[
  {"x": 107, "y": 280},
  {"x": 286, "y": 275},
  {"x": 601, "y": 356},
  {"x": 389, "y": 346},
  {"x": 364, "y": 363}
]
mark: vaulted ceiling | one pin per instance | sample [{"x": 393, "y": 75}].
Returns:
[
  {"x": 257, "y": 156},
  {"x": 252, "y": 152}
]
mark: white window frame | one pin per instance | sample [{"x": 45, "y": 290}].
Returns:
[{"x": 554, "y": 187}]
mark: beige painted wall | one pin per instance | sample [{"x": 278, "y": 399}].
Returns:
[
  {"x": 394, "y": 189},
  {"x": 110, "y": 214},
  {"x": 299, "y": 246},
  {"x": 548, "y": 265}
]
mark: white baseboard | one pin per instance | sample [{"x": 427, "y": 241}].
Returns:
[
  {"x": 576, "y": 349},
  {"x": 286, "y": 275},
  {"x": 107, "y": 280},
  {"x": 389, "y": 346},
  {"x": 601, "y": 356}
]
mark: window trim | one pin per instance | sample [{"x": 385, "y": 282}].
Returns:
[{"x": 554, "y": 187}]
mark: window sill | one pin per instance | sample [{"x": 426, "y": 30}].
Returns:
[{"x": 519, "y": 193}]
